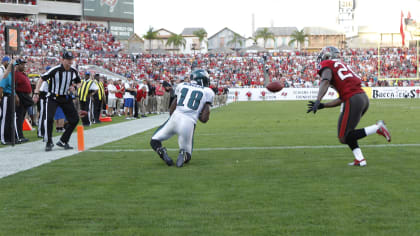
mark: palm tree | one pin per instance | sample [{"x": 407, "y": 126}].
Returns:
[
  {"x": 265, "y": 34},
  {"x": 150, "y": 35},
  {"x": 236, "y": 39},
  {"x": 299, "y": 37},
  {"x": 176, "y": 40},
  {"x": 200, "y": 34},
  {"x": 255, "y": 39}
]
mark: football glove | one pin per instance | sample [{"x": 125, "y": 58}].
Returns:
[{"x": 314, "y": 106}]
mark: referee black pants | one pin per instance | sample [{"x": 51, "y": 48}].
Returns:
[
  {"x": 6, "y": 131},
  {"x": 66, "y": 103},
  {"x": 20, "y": 118},
  {"x": 86, "y": 106},
  {"x": 97, "y": 107}
]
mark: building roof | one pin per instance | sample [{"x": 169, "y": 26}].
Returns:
[
  {"x": 164, "y": 36},
  {"x": 322, "y": 31},
  {"x": 190, "y": 31},
  {"x": 280, "y": 31},
  {"x": 135, "y": 37},
  {"x": 226, "y": 28}
]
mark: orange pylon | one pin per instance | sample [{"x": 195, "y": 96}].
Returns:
[
  {"x": 26, "y": 125},
  {"x": 80, "y": 138}
]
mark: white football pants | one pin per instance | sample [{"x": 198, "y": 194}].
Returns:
[{"x": 178, "y": 124}]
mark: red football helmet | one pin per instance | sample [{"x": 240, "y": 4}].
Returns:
[{"x": 328, "y": 53}]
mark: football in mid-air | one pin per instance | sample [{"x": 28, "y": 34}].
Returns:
[
  {"x": 83, "y": 113},
  {"x": 275, "y": 86}
]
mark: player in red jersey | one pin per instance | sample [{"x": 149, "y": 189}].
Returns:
[{"x": 353, "y": 100}]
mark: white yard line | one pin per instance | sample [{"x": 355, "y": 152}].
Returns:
[
  {"x": 266, "y": 148},
  {"x": 26, "y": 156}
]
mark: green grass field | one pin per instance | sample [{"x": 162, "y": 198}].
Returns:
[{"x": 306, "y": 191}]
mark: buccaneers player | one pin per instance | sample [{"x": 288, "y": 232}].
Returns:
[{"x": 353, "y": 100}]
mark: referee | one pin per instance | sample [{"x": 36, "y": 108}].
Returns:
[
  {"x": 42, "y": 120},
  {"x": 60, "y": 82}
]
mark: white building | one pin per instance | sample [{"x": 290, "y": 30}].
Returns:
[
  {"x": 193, "y": 44},
  {"x": 135, "y": 44},
  {"x": 159, "y": 43},
  {"x": 222, "y": 40}
]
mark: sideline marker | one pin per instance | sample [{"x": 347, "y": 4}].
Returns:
[
  {"x": 80, "y": 138},
  {"x": 26, "y": 125}
]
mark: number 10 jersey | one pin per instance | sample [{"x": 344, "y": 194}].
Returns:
[
  {"x": 344, "y": 80},
  {"x": 191, "y": 99}
]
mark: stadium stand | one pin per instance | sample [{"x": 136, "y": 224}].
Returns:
[{"x": 94, "y": 45}]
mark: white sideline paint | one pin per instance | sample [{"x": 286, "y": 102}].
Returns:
[
  {"x": 29, "y": 155},
  {"x": 265, "y": 148}
]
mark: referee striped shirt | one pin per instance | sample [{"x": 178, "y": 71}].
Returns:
[{"x": 59, "y": 80}]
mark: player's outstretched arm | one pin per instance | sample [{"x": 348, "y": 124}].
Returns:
[
  {"x": 172, "y": 107},
  {"x": 314, "y": 106},
  {"x": 333, "y": 103},
  {"x": 205, "y": 113},
  {"x": 323, "y": 88}
]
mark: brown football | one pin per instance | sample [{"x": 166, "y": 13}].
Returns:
[
  {"x": 83, "y": 113},
  {"x": 274, "y": 86}
]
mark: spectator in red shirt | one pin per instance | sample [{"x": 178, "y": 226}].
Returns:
[
  {"x": 23, "y": 90},
  {"x": 219, "y": 95},
  {"x": 119, "y": 94},
  {"x": 141, "y": 99}
]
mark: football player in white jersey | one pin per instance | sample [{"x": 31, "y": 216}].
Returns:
[{"x": 193, "y": 101}]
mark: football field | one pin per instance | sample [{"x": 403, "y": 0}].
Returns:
[{"x": 258, "y": 168}]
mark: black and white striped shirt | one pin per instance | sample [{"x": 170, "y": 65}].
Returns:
[{"x": 60, "y": 80}]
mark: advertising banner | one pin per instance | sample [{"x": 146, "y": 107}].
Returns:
[
  {"x": 262, "y": 94},
  {"x": 395, "y": 92},
  {"x": 121, "y": 30}
]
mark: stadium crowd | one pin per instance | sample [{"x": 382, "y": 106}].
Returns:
[
  {"x": 93, "y": 44},
  {"x": 149, "y": 79}
]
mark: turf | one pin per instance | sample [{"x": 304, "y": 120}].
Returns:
[{"x": 231, "y": 192}]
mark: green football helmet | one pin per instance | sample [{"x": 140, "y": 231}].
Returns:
[{"x": 201, "y": 77}]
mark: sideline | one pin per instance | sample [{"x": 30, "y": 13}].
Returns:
[{"x": 29, "y": 155}]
